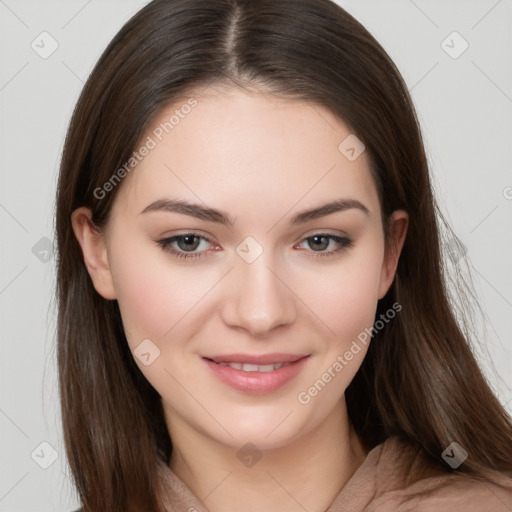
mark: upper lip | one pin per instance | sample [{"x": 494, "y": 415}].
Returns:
[{"x": 261, "y": 359}]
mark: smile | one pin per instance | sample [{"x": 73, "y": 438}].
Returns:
[
  {"x": 259, "y": 374},
  {"x": 247, "y": 367}
]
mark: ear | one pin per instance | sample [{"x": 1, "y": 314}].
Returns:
[
  {"x": 398, "y": 223},
  {"x": 94, "y": 251}
]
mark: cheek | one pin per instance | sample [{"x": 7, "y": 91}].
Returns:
[
  {"x": 345, "y": 299},
  {"x": 143, "y": 287},
  {"x": 155, "y": 295}
]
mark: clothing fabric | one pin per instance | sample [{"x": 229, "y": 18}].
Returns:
[{"x": 394, "y": 477}]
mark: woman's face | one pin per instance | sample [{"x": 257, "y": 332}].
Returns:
[{"x": 242, "y": 274}]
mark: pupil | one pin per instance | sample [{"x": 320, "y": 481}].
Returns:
[
  {"x": 319, "y": 239},
  {"x": 189, "y": 241}
]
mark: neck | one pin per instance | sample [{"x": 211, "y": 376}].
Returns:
[{"x": 307, "y": 473}]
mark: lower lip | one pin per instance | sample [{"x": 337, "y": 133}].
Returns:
[{"x": 257, "y": 382}]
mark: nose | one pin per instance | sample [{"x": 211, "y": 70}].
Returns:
[{"x": 258, "y": 299}]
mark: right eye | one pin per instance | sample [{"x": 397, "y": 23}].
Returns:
[{"x": 186, "y": 243}]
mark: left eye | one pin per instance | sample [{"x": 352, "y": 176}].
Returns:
[
  {"x": 323, "y": 240},
  {"x": 189, "y": 242}
]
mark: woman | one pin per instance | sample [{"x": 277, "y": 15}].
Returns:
[{"x": 252, "y": 306}]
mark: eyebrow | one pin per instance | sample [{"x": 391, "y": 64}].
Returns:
[{"x": 214, "y": 215}]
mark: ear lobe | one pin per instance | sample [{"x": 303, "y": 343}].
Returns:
[
  {"x": 398, "y": 223},
  {"x": 94, "y": 251}
]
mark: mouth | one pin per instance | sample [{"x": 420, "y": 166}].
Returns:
[
  {"x": 256, "y": 374},
  {"x": 247, "y": 367}
]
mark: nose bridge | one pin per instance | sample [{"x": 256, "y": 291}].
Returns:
[{"x": 260, "y": 301}]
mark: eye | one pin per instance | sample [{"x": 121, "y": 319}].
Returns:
[
  {"x": 320, "y": 241},
  {"x": 187, "y": 243}
]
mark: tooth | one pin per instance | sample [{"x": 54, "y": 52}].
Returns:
[
  {"x": 247, "y": 367},
  {"x": 250, "y": 367}
]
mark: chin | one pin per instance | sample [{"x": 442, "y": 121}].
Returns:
[{"x": 264, "y": 431}]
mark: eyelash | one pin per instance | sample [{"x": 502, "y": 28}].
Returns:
[{"x": 165, "y": 244}]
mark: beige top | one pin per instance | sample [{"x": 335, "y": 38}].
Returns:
[{"x": 394, "y": 477}]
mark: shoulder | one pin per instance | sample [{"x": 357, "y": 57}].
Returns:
[
  {"x": 454, "y": 493},
  {"x": 409, "y": 481}
]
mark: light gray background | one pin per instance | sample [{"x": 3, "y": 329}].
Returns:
[{"x": 464, "y": 105}]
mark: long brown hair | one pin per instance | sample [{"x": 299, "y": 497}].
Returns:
[{"x": 419, "y": 379}]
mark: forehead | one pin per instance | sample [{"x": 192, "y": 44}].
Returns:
[{"x": 233, "y": 147}]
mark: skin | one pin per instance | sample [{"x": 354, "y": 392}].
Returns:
[{"x": 261, "y": 159}]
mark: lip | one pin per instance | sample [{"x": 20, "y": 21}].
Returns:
[
  {"x": 257, "y": 382},
  {"x": 257, "y": 359}
]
